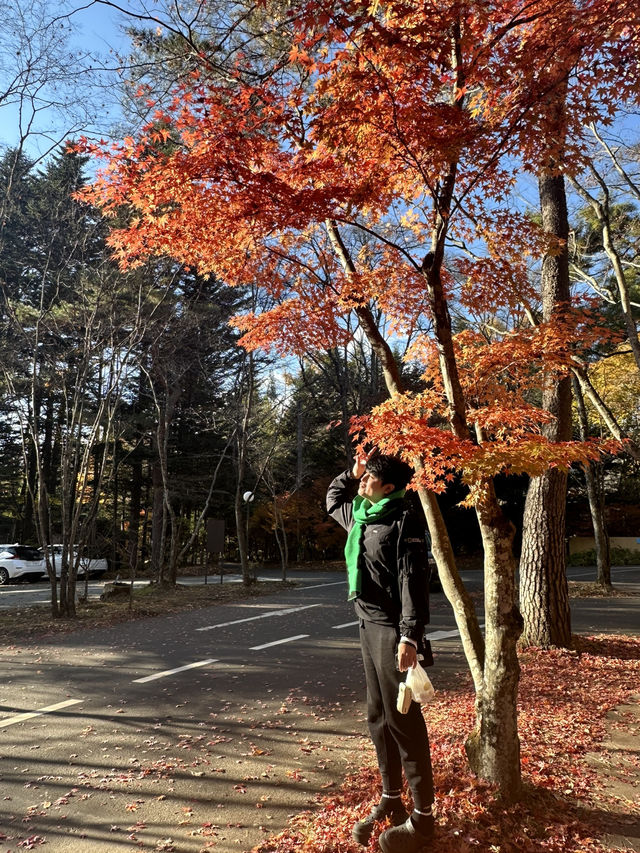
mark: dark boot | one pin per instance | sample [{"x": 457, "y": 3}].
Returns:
[
  {"x": 406, "y": 838},
  {"x": 386, "y": 808}
]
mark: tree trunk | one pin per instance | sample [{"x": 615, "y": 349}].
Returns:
[
  {"x": 157, "y": 522},
  {"x": 242, "y": 514},
  {"x": 135, "y": 506},
  {"x": 47, "y": 445},
  {"x": 544, "y": 594},
  {"x": 602, "y": 208},
  {"x": 280, "y": 532},
  {"x": 241, "y": 531},
  {"x": 299, "y": 470},
  {"x": 28, "y": 526},
  {"x": 493, "y": 748},
  {"x": 115, "y": 526},
  {"x": 459, "y": 598},
  {"x": 147, "y": 521},
  {"x": 595, "y": 493},
  {"x": 464, "y": 611}
]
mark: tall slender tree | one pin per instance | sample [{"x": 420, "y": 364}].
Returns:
[{"x": 544, "y": 593}]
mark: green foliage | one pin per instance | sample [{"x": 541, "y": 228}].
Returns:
[{"x": 68, "y": 318}]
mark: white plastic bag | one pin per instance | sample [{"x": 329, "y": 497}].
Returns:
[{"x": 420, "y": 684}]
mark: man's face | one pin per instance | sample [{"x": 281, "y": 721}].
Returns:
[{"x": 372, "y": 487}]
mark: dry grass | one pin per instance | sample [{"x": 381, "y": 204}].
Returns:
[{"x": 582, "y": 589}]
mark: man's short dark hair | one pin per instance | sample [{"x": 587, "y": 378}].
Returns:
[{"x": 390, "y": 469}]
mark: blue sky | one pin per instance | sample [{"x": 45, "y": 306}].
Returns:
[
  {"x": 100, "y": 28},
  {"x": 93, "y": 40}
]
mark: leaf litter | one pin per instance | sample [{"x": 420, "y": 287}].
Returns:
[{"x": 566, "y": 807}]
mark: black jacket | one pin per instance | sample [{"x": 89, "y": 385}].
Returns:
[{"x": 395, "y": 569}]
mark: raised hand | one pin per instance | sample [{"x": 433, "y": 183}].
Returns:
[{"x": 359, "y": 465}]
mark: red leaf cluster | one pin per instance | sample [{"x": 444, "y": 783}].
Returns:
[{"x": 376, "y": 110}]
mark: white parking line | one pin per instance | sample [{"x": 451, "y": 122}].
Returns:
[
  {"x": 434, "y": 635},
  {"x": 260, "y": 616},
  {"x": 22, "y": 591},
  {"x": 442, "y": 635},
  {"x": 30, "y": 714},
  {"x": 172, "y": 671},
  {"x": 278, "y": 642},
  {"x": 318, "y": 585}
]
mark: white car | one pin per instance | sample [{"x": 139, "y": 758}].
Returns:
[
  {"x": 94, "y": 567},
  {"x": 20, "y": 562}
]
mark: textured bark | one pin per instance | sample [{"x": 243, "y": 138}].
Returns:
[
  {"x": 452, "y": 586},
  {"x": 493, "y": 748},
  {"x": 544, "y": 595},
  {"x": 493, "y": 751}
]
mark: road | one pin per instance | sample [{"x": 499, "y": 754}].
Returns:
[
  {"x": 201, "y": 729},
  {"x": 28, "y": 594}
]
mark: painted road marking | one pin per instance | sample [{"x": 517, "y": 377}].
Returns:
[
  {"x": 173, "y": 671},
  {"x": 260, "y": 616},
  {"x": 318, "y": 585},
  {"x": 35, "y": 591},
  {"x": 434, "y": 635},
  {"x": 442, "y": 635},
  {"x": 278, "y": 642},
  {"x": 30, "y": 714}
]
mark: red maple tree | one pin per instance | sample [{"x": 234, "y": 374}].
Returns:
[{"x": 371, "y": 174}]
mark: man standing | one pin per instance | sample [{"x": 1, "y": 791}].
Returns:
[{"x": 388, "y": 575}]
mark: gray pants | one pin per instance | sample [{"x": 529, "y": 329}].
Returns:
[{"x": 401, "y": 740}]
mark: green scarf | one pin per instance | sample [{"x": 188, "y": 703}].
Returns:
[{"x": 364, "y": 512}]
